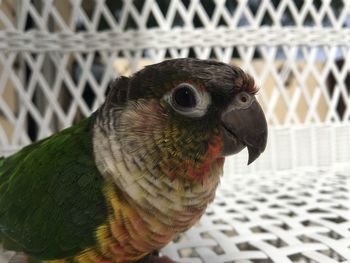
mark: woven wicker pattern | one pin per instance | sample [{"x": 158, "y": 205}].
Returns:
[
  {"x": 286, "y": 217},
  {"x": 35, "y": 41},
  {"x": 297, "y": 51},
  {"x": 57, "y": 58}
]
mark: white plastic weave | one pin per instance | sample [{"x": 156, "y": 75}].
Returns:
[
  {"x": 57, "y": 58},
  {"x": 297, "y": 51},
  {"x": 300, "y": 216}
]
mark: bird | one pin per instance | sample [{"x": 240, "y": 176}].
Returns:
[{"x": 122, "y": 183}]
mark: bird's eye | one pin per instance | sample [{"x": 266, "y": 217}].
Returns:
[
  {"x": 185, "y": 96},
  {"x": 188, "y": 100}
]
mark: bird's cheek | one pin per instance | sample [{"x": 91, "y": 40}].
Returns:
[
  {"x": 215, "y": 147},
  {"x": 212, "y": 158}
]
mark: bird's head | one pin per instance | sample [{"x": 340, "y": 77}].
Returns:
[{"x": 182, "y": 115}]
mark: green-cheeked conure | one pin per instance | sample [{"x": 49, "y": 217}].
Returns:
[{"x": 143, "y": 168}]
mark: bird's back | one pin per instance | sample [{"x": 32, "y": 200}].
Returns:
[{"x": 50, "y": 196}]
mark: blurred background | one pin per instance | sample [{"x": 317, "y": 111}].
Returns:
[{"x": 57, "y": 58}]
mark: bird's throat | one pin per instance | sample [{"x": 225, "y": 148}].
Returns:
[{"x": 151, "y": 183}]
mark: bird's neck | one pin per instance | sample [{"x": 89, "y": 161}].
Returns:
[
  {"x": 149, "y": 181},
  {"x": 147, "y": 157},
  {"x": 150, "y": 202}
]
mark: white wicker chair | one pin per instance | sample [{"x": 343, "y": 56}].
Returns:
[{"x": 293, "y": 204}]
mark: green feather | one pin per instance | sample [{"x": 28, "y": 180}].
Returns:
[{"x": 51, "y": 198}]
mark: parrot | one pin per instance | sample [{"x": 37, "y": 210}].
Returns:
[{"x": 119, "y": 185}]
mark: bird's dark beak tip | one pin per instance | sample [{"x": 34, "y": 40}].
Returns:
[
  {"x": 252, "y": 159},
  {"x": 254, "y": 153},
  {"x": 249, "y": 161}
]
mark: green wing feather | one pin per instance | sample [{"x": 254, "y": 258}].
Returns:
[{"x": 51, "y": 198}]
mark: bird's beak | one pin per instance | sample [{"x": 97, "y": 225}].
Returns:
[{"x": 244, "y": 124}]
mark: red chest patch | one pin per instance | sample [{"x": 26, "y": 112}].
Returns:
[{"x": 201, "y": 171}]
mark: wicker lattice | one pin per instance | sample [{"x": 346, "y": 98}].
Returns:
[
  {"x": 58, "y": 56},
  {"x": 300, "y": 216},
  {"x": 298, "y": 52}
]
